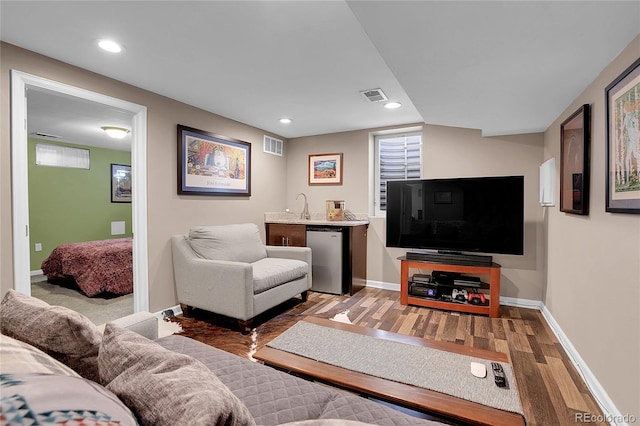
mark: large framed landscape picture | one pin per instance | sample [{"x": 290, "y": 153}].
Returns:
[
  {"x": 623, "y": 142},
  {"x": 211, "y": 164}
]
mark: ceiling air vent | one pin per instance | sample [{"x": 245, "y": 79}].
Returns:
[
  {"x": 272, "y": 145},
  {"x": 374, "y": 95},
  {"x": 44, "y": 135}
]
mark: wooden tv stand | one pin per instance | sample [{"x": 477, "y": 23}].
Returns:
[{"x": 493, "y": 271}]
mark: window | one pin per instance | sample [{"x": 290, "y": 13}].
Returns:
[
  {"x": 397, "y": 158},
  {"x": 62, "y": 156}
]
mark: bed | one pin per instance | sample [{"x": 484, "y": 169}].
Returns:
[{"x": 97, "y": 267}]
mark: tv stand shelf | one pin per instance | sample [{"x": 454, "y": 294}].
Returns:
[{"x": 493, "y": 309}]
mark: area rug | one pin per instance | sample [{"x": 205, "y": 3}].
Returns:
[{"x": 428, "y": 368}]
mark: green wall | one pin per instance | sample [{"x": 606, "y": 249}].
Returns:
[{"x": 71, "y": 205}]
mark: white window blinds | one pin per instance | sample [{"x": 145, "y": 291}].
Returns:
[
  {"x": 398, "y": 159},
  {"x": 62, "y": 156}
]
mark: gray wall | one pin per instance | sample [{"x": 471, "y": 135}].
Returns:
[
  {"x": 447, "y": 152},
  {"x": 593, "y": 277}
]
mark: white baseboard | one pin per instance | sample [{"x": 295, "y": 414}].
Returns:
[
  {"x": 38, "y": 272},
  {"x": 383, "y": 285},
  {"x": 611, "y": 413},
  {"x": 168, "y": 312}
]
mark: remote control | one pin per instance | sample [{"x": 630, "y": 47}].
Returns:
[{"x": 498, "y": 375}]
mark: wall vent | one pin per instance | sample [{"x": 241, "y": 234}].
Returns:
[
  {"x": 272, "y": 145},
  {"x": 374, "y": 95},
  {"x": 45, "y": 135}
]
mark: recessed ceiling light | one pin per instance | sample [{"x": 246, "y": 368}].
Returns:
[
  {"x": 115, "y": 132},
  {"x": 110, "y": 46},
  {"x": 392, "y": 105},
  {"x": 285, "y": 120}
]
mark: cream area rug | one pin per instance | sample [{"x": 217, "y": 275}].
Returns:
[{"x": 428, "y": 368}]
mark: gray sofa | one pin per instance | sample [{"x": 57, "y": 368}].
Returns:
[
  {"x": 229, "y": 271},
  {"x": 172, "y": 380}
]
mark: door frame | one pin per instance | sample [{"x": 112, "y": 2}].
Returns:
[{"x": 20, "y": 81}]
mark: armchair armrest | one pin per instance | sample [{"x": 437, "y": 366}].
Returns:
[
  {"x": 289, "y": 252},
  {"x": 143, "y": 323}
]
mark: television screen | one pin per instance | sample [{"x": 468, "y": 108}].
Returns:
[{"x": 484, "y": 214}]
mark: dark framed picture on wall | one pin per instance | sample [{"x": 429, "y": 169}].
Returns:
[
  {"x": 120, "y": 183},
  {"x": 575, "y": 141},
  {"x": 210, "y": 164},
  {"x": 623, "y": 142}
]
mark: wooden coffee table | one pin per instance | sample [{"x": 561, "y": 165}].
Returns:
[{"x": 409, "y": 396}]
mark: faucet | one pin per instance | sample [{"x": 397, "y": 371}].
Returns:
[{"x": 305, "y": 212}]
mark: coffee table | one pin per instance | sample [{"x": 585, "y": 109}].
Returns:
[{"x": 409, "y": 396}]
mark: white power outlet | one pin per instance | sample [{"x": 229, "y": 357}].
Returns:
[{"x": 38, "y": 246}]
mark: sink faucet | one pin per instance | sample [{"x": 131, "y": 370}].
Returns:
[{"x": 305, "y": 212}]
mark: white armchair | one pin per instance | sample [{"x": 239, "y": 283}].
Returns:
[{"x": 229, "y": 271}]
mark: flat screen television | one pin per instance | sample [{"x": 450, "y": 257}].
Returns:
[{"x": 481, "y": 214}]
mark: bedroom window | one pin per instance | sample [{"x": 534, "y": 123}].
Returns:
[
  {"x": 62, "y": 156},
  {"x": 397, "y": 158}
]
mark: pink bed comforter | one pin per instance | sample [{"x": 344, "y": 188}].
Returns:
[{"x": 96, "y": 266}]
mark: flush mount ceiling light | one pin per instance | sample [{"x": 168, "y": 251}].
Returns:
[
  {"x": 110, "y": 46},
  {"x": 115, "y": 132},
  {"x": 392, "y": 105},
  {"x": 285, "y": 120}
]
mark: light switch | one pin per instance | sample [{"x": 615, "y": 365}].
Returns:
[{"x": 38, "y": 246}]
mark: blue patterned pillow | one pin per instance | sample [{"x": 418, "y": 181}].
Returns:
[{"x": 45, "y": 399}]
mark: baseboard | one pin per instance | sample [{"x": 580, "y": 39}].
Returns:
[
  {"x": 169, "y": 312},
  {"x": 611, "y": 413},
  {"x": 38, "y": 272},
  {"x": 383, "y": 285}
]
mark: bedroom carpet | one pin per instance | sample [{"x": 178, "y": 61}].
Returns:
[{"x": 97, "y": 309}]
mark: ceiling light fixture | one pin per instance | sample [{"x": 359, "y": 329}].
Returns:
[
  {"x": 392, "y": 105},
  {"x": 285, "y": 120},
  {"x": 115, "y": 132},
  {"x": 110, "y": 46}
]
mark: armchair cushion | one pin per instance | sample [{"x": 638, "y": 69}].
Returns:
[
  {"x": 271, "y": 272},
  {"x": 236, "y": 243}
]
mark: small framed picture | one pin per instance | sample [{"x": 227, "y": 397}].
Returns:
[
  {"x": 575, "y": 140},
  {"x": 211, "y": 164},
  {"x": 325, "y": 169},
  {"x": 120, "y": 183},
  {"x": 623, "y": 142}
]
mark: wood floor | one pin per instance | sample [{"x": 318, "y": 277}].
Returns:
[{"x": 551, "y": 390}]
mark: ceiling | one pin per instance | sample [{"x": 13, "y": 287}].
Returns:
[{"x": 504, "y": 67}]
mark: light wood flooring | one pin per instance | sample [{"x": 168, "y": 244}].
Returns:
[{"x": 551, "y": 389}]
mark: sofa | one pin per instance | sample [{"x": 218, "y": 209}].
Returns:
[
  {"x": 227, "y": 270},
  {"x": 58, "y": 366}
]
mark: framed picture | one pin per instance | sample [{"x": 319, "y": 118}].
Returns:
[
  {"x": 210, "y": 164},
  {"x": 575, "y": 141},
  {"x": 623, "y": 142},
  {"x": 325, "y": 169},
  {"x": 120, "y": 183}
]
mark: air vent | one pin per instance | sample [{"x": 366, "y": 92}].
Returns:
[
  {"x": 45, "y": 135},
  {"x": 374, "y": 95},
  {"x": 272, "y": 145}
]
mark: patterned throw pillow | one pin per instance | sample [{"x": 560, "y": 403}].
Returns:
[
  {"x": 68, "y": 336},
  {"x": 47, "y": 399},
  {"x": 20, "y": 358},
  {"x": 164, "y": 387}
]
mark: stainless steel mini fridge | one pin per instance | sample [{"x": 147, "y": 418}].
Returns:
[{"x": 326, "y": 259}]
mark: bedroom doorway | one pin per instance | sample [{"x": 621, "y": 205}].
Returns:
[{"x": 21, "y": 84}]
